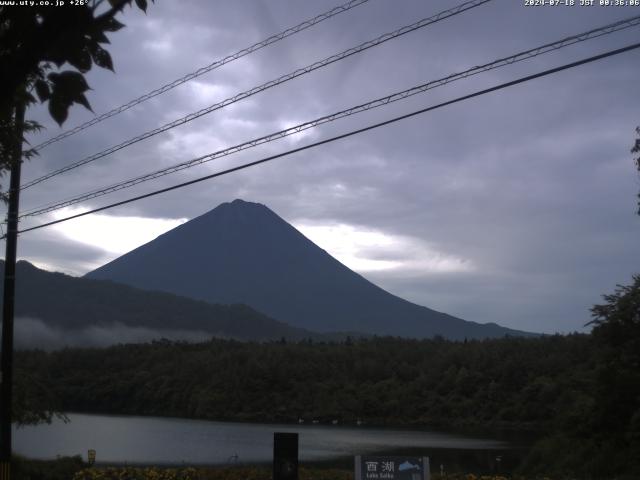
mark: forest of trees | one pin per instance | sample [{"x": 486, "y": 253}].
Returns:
[
  {"x": 579, "y": 393},
  {"x": 520, "y": 383},
  {"x": 548, "y": 384}
]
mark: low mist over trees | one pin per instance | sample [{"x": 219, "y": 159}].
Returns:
[
  {"x": 507, "y": 382},
  {"x": 580, "y": 393}
]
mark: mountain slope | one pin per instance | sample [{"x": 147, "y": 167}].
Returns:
[
  {"x": 242, "y": 252},
  {"x": 72, "y": 303}
]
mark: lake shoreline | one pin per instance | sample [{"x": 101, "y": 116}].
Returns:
[
  {"x": 503, "y": 431},
  {"x": 147, "y": 441}
]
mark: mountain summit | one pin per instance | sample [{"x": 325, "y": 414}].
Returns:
[{"x": 242, "y": 252}]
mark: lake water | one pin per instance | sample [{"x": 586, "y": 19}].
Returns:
[{"x": 149, "y": 440}]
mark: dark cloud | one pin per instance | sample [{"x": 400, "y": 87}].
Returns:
[
  {"x": 534, "y": 185},
  {"x": 49, "y": 250}
]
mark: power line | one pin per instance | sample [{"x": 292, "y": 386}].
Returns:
[
  {"x": 531, "y": 53},
  {"x": 265, "y": 86},
  {"x": 212, "y": 66},
  {"x": 344, "y": 135}
]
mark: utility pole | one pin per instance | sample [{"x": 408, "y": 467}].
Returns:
[{"x": 6, "y": 366}]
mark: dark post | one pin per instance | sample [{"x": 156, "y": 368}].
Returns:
[
  {"x": 6, "y": 366},
  {"x": 285, "y": 456}
]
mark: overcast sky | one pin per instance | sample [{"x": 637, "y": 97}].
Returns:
[{"x": 517, "y": 207}]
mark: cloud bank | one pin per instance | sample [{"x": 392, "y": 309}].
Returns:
[
  {"x": 33, "y": 333},
  {"x": 516, "y": 207}
]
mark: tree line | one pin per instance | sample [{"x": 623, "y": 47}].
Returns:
[
  {"x": 579, "y": 392},
  {"x": 507, "y": 382}
]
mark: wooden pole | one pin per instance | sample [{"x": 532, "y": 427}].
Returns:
[{"x": 6, "y": 365}]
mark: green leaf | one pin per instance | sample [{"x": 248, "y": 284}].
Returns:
[
  {"x": 32, "y": 126},
  {"x": 53, "y": 77},
  {"x": 58, "y": 109},
  {"x": 80, "y": 59},
  {"x": 101, "y": 57},
  {"x": 42, "y": 89},
  {"x": 56, "y": 55},
  {"x": 82, "y": 100},
  {"x": 68, "y": 83},
  {"x": 142, "y": 5},
  {"x": 68, "y": 88},
  {"x": 99, "y": 36},
  {"x": 29, "y": 99},
  {"x": 113, "y": 25}
]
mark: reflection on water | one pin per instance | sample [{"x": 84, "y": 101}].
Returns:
[{"x": 174, "y": 441}]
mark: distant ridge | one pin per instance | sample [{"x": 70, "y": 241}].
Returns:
[
  {"x": 72, "y": 304},
  {"x": 242, "y": 252}
]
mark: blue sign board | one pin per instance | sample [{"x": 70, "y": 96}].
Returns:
[{"x": 392, "y": 468}]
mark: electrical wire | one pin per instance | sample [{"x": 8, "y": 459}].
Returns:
[
  {"x": 345, "y": 135},
  {"x": 265, "y": 86},
  {"x": 201, "y": 71},
  {"x": 518, "y": 57}
]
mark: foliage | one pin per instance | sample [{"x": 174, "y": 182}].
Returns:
[
  {"x": 582, "y": 391},
  {"x": 33, "y": 400},
  {"x": 63, "y": 468},
  {"x": 616, "y": 415},
  {"x": 73, "y": 468},
  {"x": 579, "y": 392},
  {"x": 79, "y": 471},
  {"x": 507, "y": 382},
  {"x": 241, "y": 473},
  {"x": 600, "y": 438},
  {"x": 132, "y": 473},
  {"x": 636, "y": 149},
  {"x": 253, "y": 473},
  {"x": 36, "y": 43}
]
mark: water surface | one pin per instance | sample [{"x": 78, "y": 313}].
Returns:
[{"x": 135, "y": 440}]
